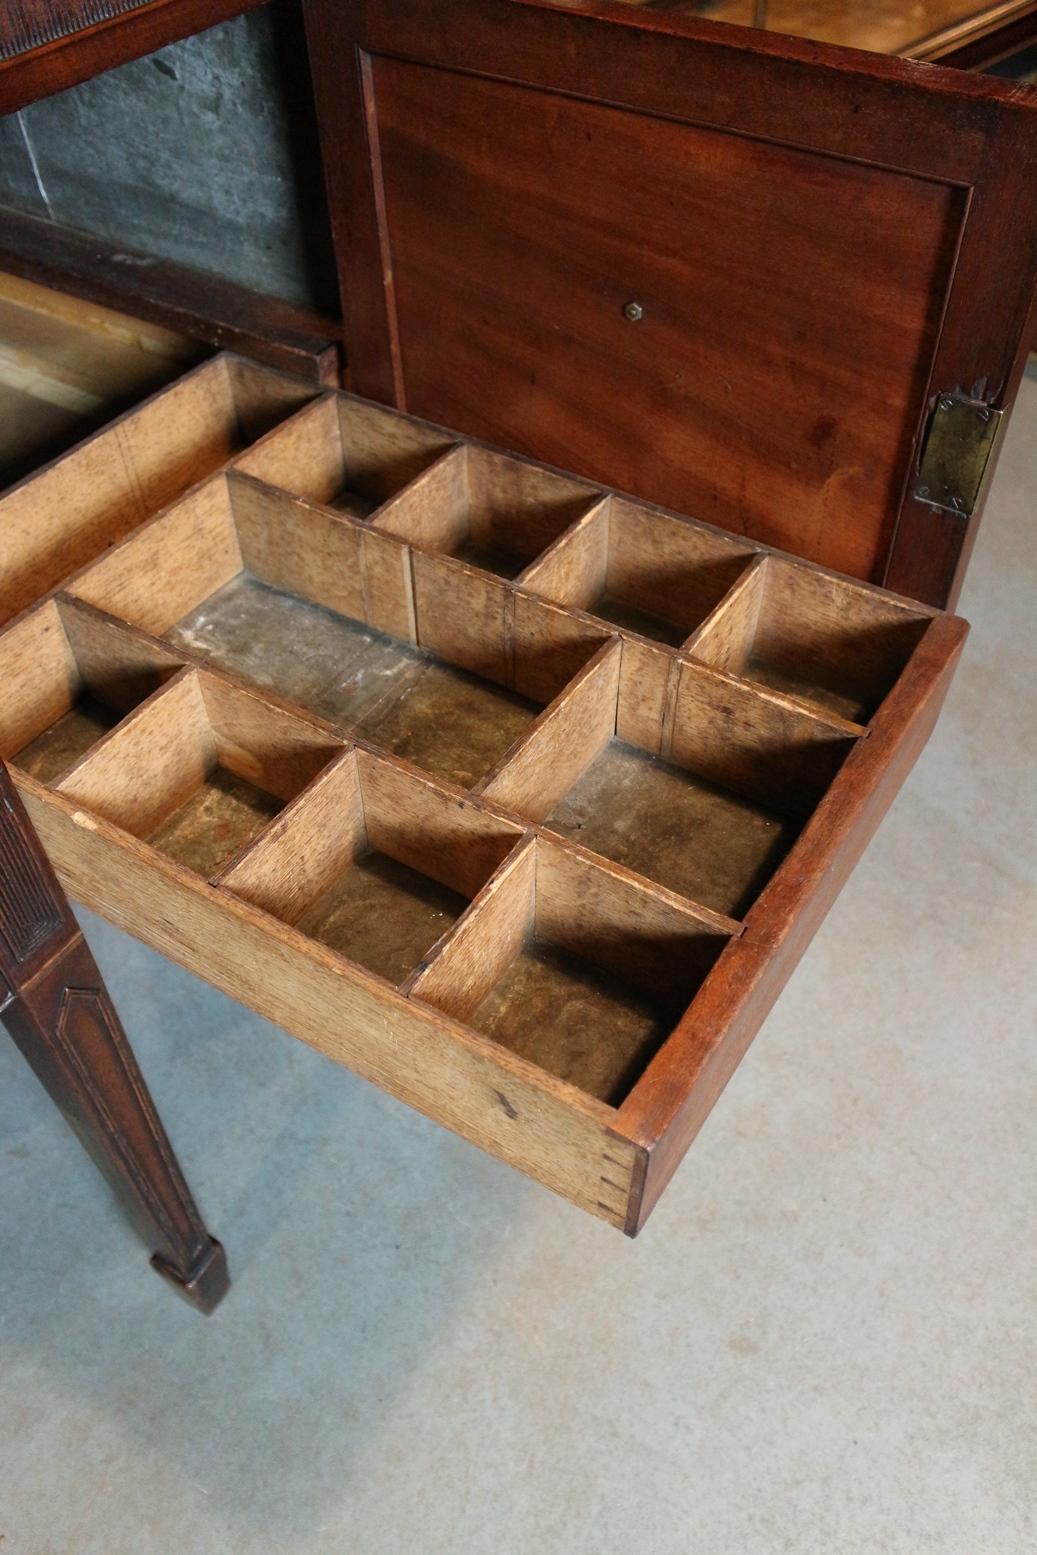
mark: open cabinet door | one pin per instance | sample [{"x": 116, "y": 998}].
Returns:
[{"x": 783, "y": 287}]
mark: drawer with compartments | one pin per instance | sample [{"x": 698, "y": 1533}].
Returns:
[
  {"x": 465, "y": 755},
  {"x": 517, "y": 795}
]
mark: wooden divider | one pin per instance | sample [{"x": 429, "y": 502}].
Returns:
[
  {"x": 230, "y": 525},
  {"x": 345, "y": 453},
  {"x": 820, "y": 638},
  {"x": 571, "y": 964},
  {"x": 374, "y": 862},
  {"x": 480, "y": 623},
  {"x": 346, "y": 567},
  {"x": 691, "y": 778},
  {"x": 170, "y": 565},
  {"x": 59, "y": 518},
  {"x": 477, "y": 954},
  {"x": 199, "y": 769},
  {"x": 328, "y": 610},
  {"x": 545, "y": 763},
  {"x": 642, "y": 570},
  {"x": 489, "y": 509},
  {"x": 67, "y": 676}
]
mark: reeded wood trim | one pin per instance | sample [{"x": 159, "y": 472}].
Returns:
[{"x": 49, "y": 45}]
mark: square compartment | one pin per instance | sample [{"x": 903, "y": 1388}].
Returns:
[
  {"x": 283, "y": 594},
  {"x": 574, "y": 967},
  {"x": 438, "y": 669},
  {"x": 67, "y": 676},
  {"x": 87, "y": 500},
  {"x": 675, "y": 827},
  {"x": 200, "y": 770},
  {"x": 495, "y": 512},
  {"x": 347, "y": 454},
  {"x": 813, "y": 636},
  {"x": 642, "y": 570},
  {"x": 692, "y": 780},
  {"x": 374, "y": 862}
]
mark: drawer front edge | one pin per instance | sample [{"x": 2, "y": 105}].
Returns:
[{"x": 489, "y": 1097}]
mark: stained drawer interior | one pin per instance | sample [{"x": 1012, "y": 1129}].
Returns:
[
  {"x": 59, "y": 518},
  {"x": 523, "y": 750}
]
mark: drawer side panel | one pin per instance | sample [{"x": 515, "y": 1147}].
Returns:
[{"x": 670, "y": 1103}]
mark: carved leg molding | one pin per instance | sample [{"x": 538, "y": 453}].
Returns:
[{"x": 55, "y": 1005}]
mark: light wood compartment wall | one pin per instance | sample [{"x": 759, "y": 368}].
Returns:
[
  {"x": 497, "y": 771},
  {"x": 66, "y": 513}
]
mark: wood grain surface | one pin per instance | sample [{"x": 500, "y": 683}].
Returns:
[
  {"x": 723, "y": 268},
  {"x": 535, "y": 871},
  {"x": 48, "y": 45}
]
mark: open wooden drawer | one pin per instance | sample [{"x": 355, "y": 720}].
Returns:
[{"x": 518, "y": 796}]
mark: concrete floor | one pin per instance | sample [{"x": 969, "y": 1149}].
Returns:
[{"x": 824, "y": 1342}]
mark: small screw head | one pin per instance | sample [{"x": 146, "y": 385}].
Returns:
[
  {"x": 946, "y": 404},
  {"x": 923, "y": 491},
  {"x": 984, "y": 415},
  {"x": 634, "y": 312}
]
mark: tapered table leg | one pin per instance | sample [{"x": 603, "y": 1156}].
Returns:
[{"x": 55, "y": 1005}]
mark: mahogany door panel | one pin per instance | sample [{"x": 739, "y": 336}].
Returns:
[
  {"x": 732, "y": 272},
  {"x": 616, "y": 314}
]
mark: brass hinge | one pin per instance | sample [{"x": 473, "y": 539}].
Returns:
[{"x": 958, "y": 445}]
